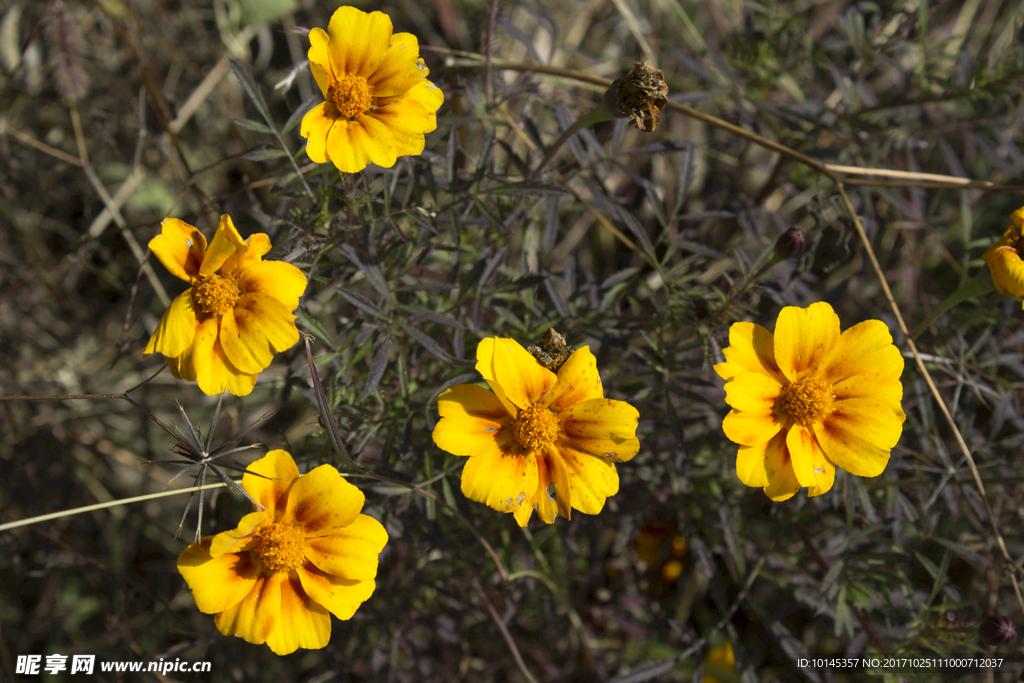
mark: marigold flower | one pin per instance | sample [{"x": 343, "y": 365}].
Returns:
[
  {"x": 379, "y": 102},
  {"x": 541, "y": 440},
  {"x": 721, "y": 658},
  {"x": 236, "y": 315},
  {"x": 1004, "y": 258},
  {"x": 809, "y": 399},
  {"x": 306, "y": 554}
]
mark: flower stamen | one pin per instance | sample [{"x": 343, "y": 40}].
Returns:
[
  {"x": 806, "y": 401},
  {"x": 215, "y": 295},
  {"x": 280, "y": 546},
  {"x": 352, "y": 95},
  {"x": 535, "y": 427}
]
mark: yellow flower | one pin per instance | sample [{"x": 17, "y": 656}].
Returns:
[
  {"x": 541, "y": 440},
  {"x": 1004, "y": 258},
  {"x": 379, "y": 102},
  {"x": 308, "y": 553},
  {"x": 721, "y": 658},
  {"x": 808, "y": 400},
  {"x": 236, "y": 315}
]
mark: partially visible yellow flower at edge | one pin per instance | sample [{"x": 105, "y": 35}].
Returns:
[
  {"x": 278, "y": 577},
  {"x": 225, "y": 329},
  {"x": 809, "y": 399},
  {"x": 379, "y": 102},
  {"x": 539, "y": 441},
  {"x": 1004, "y": 258},
  {"x": 722, "y": 658}
]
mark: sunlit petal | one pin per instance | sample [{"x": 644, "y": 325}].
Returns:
[
  {"x": 351, "y": 551},
  {"x": 804, "y": 339}
]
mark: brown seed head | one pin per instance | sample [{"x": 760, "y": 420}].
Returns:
[{"x": 639, "y": 95}]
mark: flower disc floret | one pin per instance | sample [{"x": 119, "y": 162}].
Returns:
[
  {"x": 280, "y": 546},
  {"x": 237, "y": 313},
  {"x": 304, "y": 554},
  {"x": 536, "y": 427},
  {"x": 808, "y": 399},
  {"x": 537, "y": 441},
  {"x": 378, "y": 102}
]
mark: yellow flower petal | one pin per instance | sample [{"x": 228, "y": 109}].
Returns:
[
  {"x": 591, "y": 479},
  {"x": 485, "y": 366},
  {"x": 300, "y": 622},
  {"x": 341, "y": 597},
  {"x": 603, "y": 427},
  {"x": 278, "y": 279},
  {"x": 801, "y": 446},
  {"x": 316, "y": 125},
  {"x": 824, "y": 474},
  {"x": 578, "y": 381},
  {"x": 239, "y": 539},
  {"x": 750, "y": 465},
  {"x": 180, "y": 247},
  {"x": 473, "y": 422},
  {"x": 256, "y": 246},
  {"x": 321, "y": 502},
  {"x": 174, "y": 334},
  {"x": 351, "y": 145},
  {"x": 751, "y": 349},
  {"x": 864, "y": 348},
  {"x": 523, "y": 379},
  {"x": 503, "y": 482},
  {"x": 279, "y": 473},
  {"x": 226, "y": 241},
  {"x": 213, "y": 371},
  {"x": 748, "y": 428},
  {"x": 752, "y": 392},
  {"x": 398, "y": 72},
  {"x": 254, "y": 617},
  {"x": 406, "y": 121},
  {"x": 320, "y": 59},
  {"x": 1005, "y": 264},
  {"x": 885, "y": 391},
  {"x": 859, "y": 434},
  {"x": 358, "y": 41},
  {"x": 258, "y": 327},
  {"x": 804, "y": 338},
  {"x": 554, "y": 493},
  {"x": 217, "y": 583},
  {"x": 782, "y": 483},
  {"x": 350, "y": 552}
]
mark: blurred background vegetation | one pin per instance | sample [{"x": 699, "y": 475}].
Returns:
[{"x": 117, "y": 113}]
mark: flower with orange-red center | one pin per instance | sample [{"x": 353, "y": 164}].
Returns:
[
  {"x": 307, "y": 554},
  {"x": 237, "y": 313},
  {"x": 540, "y": 440},
  {"x": 379, "y": 103},
  {"x": 809, "y": 399},
  {"x": 1004, "y": 258}
]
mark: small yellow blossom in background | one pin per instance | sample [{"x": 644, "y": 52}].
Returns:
[
  {"x": 721, "y": 658},
  {"x": 379, "y": 102},
  {"x": 225, "y": 329},
  {"x": 278, "y": 577},
  {"x": 1004, "y": 258},
  {"x": 540, "y": 440},
  {"x": 809, "y": 399}
]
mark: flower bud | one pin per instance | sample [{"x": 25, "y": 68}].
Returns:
[
  {"x": 791, "y": 243},
  {"x": 997, "y": 631}
]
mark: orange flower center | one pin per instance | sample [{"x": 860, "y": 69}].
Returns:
[
  {"x": 280, "y": 546},
  {"x": 535, "y": 427},
  {"x": 215, "y": 295},
  {"x": 352, "y": 95},
  {"x": 806, "y": 401}
]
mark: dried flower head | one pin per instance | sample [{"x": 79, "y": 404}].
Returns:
[
  {"x": 640, "y": 95},
  {"x": 552, "y": 351}
]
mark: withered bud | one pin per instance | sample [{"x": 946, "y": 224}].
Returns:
[
  {"x": 998, "y": 631},
  {"x": 552, "y": 352},
  {"x": 639, "y": 95},
  {"x": 791, "y": 243}
]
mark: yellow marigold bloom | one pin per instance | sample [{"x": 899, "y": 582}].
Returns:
[
  {"x": 1004, "y": 258},
  {"x": 379, "y": 102},
  {"x": 808, "y": 399},
  {"x": 236, "y": 315},
  {"x": 541, "y": 440},
  {"x": 278, "y": 577},
  {"x": 722, "y": 658}
]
